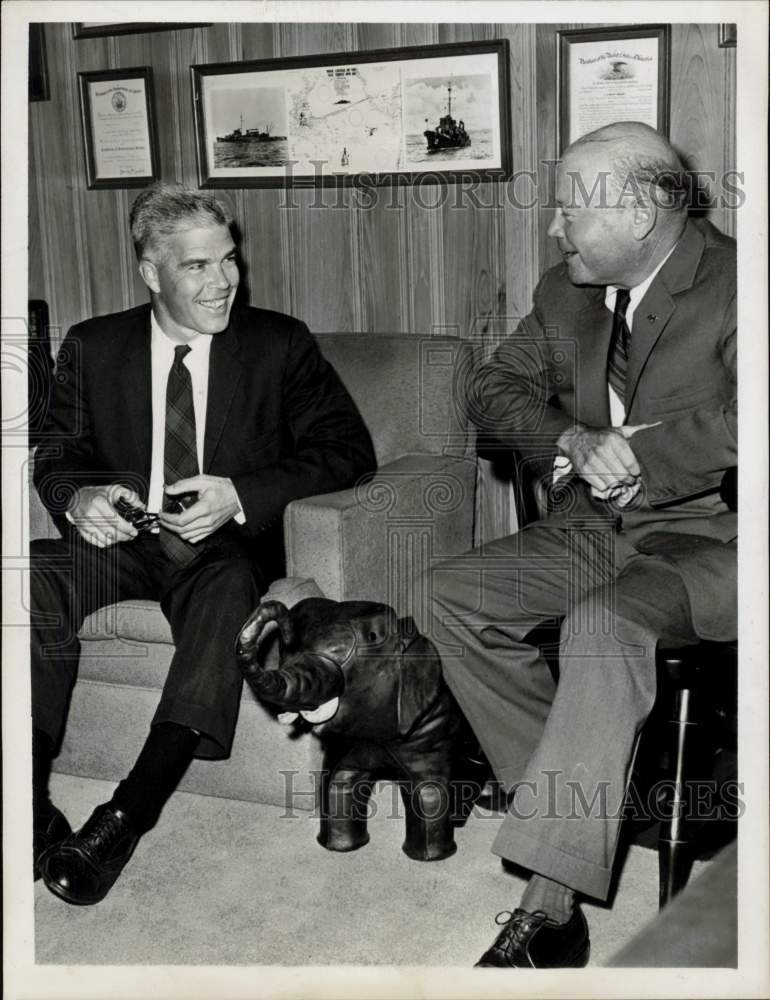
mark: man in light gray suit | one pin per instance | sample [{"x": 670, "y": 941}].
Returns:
[{"x": 623, "y": 380}]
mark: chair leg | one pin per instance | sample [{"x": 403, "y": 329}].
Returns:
[{"x": 674, "y": 852}]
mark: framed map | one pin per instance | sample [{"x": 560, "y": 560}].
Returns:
[{"x": 438, "y": 110}]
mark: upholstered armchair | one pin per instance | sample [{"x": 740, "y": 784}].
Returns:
[{"x": 372, "y": 542}]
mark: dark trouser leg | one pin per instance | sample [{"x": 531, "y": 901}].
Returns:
[
  {"x": 206, "y": 605},
  {"x": 565, "y": 818},
  {"x": 69, "y": 579}
]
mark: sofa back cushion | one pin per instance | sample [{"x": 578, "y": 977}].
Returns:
[{"x": 408, "y": 388}]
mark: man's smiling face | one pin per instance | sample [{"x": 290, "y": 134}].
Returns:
[
  {"x": 595, "y": 234},
  {"x": 194, "y": 280}
]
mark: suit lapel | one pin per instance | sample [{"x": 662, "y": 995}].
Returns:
[
  {"x": 650, "y": 320},
  {"x": 655, "y": 310},
  {"x": 134, "y": 390},
  {"x": 225, "y": 370}
]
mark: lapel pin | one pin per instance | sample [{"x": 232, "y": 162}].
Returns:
[{"x": 651, "y": 317}]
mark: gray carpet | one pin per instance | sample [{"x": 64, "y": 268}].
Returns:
[{"x": 225, "y": 882}]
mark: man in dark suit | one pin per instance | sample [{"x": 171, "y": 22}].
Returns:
[
  {"x": 213, "y": 416},
  {"x": 621, "y": 385}
]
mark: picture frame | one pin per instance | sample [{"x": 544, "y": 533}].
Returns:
[
  {"x": 727, "y": 35},
  {"x": 119, "y": 134},
  {"x": 622, "y": 73},
  {"x": 340, "y": 118},
  {"x": 102, "y": 29}
]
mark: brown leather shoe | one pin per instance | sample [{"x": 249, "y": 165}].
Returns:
[
  {"x": 84, "y": 866},
  {"x": 532, "y": 941}
]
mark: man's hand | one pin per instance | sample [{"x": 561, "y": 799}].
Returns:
[
  {"x": 94, "y": 516},
  {"x": 602, "y": 456},
  {"x": 217, "y": 502}
]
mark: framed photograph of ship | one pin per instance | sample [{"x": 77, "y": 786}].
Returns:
[{"x": 437, "y": 111}]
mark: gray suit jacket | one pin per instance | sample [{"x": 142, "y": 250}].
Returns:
[{"x": 682, "y": 376}]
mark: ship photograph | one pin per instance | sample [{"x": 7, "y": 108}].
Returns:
[
  {"x": 249, "y": 127},
  {"x": 448, "y": 118}
]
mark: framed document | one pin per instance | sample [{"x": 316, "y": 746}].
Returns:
[
  {"x": 612, "y": 75},
  {"x": 435, "y": 111},
  {"x": 118, "y": 127}
]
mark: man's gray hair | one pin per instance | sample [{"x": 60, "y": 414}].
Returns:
[
  {"x": 163, "y": 209},
  {"x": 643, "y": 164}
]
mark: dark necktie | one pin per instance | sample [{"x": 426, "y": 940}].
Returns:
[
  {"x": 617, "y": 359},
  {"x": 180, "y": 451}
]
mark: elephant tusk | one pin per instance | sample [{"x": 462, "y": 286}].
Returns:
[
  {"x": 286, "y": 718},
  {"x": 323, "y": 713}
]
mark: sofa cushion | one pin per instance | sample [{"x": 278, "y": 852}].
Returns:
[{"x": 141, "y": 620}]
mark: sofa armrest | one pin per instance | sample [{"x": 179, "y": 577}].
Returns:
[{"x": 373, "y": 542}]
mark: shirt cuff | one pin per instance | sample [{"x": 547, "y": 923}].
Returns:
[{"x": 240, "y": 517}]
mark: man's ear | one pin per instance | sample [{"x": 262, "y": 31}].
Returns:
[
  {"x": 149, "y": 273},
  {"x": 645, "y": 217}
]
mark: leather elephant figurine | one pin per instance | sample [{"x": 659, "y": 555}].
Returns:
[{"x": 371, "y": 687}]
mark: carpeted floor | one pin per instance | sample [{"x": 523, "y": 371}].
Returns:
[{"x": 225, "y": 882}]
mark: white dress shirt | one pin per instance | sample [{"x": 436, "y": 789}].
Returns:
[{"x": 197, "y": 363}]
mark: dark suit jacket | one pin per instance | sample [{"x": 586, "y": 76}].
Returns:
[
  {"x": 681, "y": 373},
  {"x": 279, "y": 421}
]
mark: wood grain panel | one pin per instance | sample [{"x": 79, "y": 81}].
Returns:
[
  {"x": 470, "y": 32},
  {"x": 521, "y": 226},
  {"x": 474, "y": 287},
  {"x": 257, "y": 41},
  {"x": 301, "y": 39},
  {"x": 320, "y": 261},
  {"x": 381, "y": 234},
  {"x": 378, "y": 36},
  {"x": 698, "y": 105}
]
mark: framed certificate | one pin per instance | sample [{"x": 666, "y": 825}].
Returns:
[
  {"x": 119, "y": 136},
  {"x": 612, "y": 75}
]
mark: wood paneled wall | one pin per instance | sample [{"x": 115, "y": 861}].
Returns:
[
  {"x": 397, "y": 266},
  {"x": 400, "y": 265}
]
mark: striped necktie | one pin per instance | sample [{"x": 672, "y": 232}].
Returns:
[
  {"x": 617, "y": 359},
  {"x": 180, "y": 451}
]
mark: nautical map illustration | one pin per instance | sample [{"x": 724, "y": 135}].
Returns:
[{"x": 348, "y": 116}]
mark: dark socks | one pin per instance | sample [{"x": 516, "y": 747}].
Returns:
[
  {"x": 164, "y": 758},
  {"x": 551, "y": 897},
  {"x": 42, "y": 758}
]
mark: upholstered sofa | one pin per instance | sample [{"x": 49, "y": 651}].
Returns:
[{"x": 370, "y": 543}]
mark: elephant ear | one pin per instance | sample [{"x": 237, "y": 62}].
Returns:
[{"x": 420, "y": 680}]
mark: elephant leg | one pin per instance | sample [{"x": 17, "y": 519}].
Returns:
[
  {"x": 345, "y": 793},
  {"x": 429, "y": 827},
  {"x": 424, "y": 769}
]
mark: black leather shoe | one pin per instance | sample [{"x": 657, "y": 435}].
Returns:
[
  {"x": 532, "y": 941},
  {"x": 85, "y": 866},
  {"x": 47, "y": 832}
]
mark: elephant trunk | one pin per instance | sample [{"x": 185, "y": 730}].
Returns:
[
  {"x": 302, "y": 681},
  {"x": 269, "y": 613}
]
